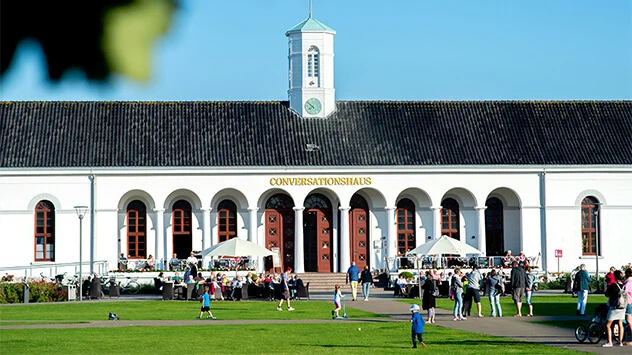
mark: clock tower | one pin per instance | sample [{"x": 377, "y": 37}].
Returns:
[{"x": 311, "y": 68}]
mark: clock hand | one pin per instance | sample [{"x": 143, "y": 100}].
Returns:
[{"x": 310, "y": 105}]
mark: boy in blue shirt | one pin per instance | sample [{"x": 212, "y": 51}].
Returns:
[
  {"x": 417, "y": 326},
  {"x": 206, "y": 304}
]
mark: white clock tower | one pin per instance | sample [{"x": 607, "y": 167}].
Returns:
[{"x": 311, "y": 71}]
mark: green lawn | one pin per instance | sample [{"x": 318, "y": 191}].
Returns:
[
  {"x": 169, "y": 310},
  {"x": 542, "y": 305},
  {"x": 337, "y": 337}
]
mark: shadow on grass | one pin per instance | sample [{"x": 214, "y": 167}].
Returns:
[{"x": 452, "y": 343}]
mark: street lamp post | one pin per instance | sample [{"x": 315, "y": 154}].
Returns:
[
  {"x": 597, "y": 248},
  {"x": 81, "y": 212}
]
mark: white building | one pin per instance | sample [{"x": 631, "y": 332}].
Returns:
[{"x": 326, "y": 182}]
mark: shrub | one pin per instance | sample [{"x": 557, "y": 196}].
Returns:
[
  {"x": 39, "y": 291},
  {"x": 407, "y": 275}
]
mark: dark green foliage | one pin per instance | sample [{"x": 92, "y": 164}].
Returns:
[{"x": 39, "y": 291}]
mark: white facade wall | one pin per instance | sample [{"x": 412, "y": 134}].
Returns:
[{"x": 519, "y": 189}]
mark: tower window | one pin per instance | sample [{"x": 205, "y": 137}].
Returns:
[{"x": 313, "y": 62}]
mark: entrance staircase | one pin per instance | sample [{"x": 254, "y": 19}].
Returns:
[{"x": 322, "y": 282}]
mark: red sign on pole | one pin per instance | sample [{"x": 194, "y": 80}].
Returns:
[{"x": 558, "y": 253}]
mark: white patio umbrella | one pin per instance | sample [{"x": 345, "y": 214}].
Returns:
[
  {"x": 445, "y": 245},
  {"x": 236, "y": 247},
  {"x": 442, "y": 245}
]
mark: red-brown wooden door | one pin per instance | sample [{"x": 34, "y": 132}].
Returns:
[
  {"x": 279, "y": 228},
  {"x": 317, "y": 234},
  {"x": 359, "y": 231}
]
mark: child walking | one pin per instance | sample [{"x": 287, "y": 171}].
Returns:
[
  {"x": 337, "y": 301},
  {"x": 206, "y": 304},
  {"x": 417, "y": 326}
]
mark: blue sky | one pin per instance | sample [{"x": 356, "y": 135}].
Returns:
[{"x": 385, "y": 50}]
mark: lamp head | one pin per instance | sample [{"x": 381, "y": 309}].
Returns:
[{"x": 81, "y": 211}]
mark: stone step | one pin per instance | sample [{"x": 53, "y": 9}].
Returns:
[{"x": 323, "y": 282}]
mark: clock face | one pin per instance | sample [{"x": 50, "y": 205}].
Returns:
[{"x": 313, "y": 106}]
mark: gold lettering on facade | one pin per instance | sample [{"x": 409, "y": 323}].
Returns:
[{"x": 321, "y": 181}]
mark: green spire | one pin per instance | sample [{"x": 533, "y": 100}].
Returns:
[{"x": 310, "y": 24}]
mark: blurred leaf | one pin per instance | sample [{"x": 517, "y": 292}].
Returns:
[
  {"x": 77, "y": 34},
  {"x": 129, "y": 35}
]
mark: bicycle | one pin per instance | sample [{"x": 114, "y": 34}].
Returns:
[{"x": 131, "y": 286}]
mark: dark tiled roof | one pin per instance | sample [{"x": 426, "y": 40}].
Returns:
[{"x": 253, "y": 134}]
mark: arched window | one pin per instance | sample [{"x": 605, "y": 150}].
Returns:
[
  {"x": 450, "y": 218},
  {"x": 406, "y": 239},
  {"x": 494, "y": 227},
  {"x": 44, "y": 231},
  {"x": 227, "y": 220},
  {"x": 313, "y": 62},
  {"x": 136, "y": 230},
  {"x": 316, "y": 201},
  {"x": 590, "y": 226}
]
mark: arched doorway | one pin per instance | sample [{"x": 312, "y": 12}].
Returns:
[
  {"x": 359, "y": 231},
  {"x": 317, "y": 234},
  {"x": 279, "y": 230},
  {"x": 181, "y": 229},
  {"x": 494, "y": 228}
]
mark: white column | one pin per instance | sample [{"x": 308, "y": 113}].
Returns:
[
  {"x": 391, "y": 238},
  {"x": 345, "y": 250},
  {"x": 206, "y": 228},
  {"x": 482, "y": 242},
  {"x": 213, "y": 238},
  {"x": 252, "y": 230},
  {"x": 436, "y": 221},
  {"x": 161, "y": 251},
  {"x": 436, "y": 229},
  {"x": 299, "y": 262}
]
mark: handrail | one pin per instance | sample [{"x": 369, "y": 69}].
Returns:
[{"x": 54, "y": 268}]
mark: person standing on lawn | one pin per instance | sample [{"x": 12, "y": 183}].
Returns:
[
  {"x": 456, "y": 293},
  {"x": 206, "y": 304},
  {"x": 627, "y": 285},
  {"x": 417, "y": 326},
  {"x": 428, "y": 301},
  {"x": 473, "y": 291},
  {"x": 353, "y": 275},
  {"x": 494, "y": 290},
  {"x": 285, "y": 290},
  {"x": 582, "y": 281},
  {"x": 518, "y": 283},
  {"x": 367, "y": 282},
  {"x": 609, "y": 278},
  {"x": 617, "y": 307},
  {"x": 528, "y": 291}
]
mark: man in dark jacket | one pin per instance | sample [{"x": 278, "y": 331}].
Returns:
[{"x": 518, "y": 283}]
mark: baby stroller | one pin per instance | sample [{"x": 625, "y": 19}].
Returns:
[{"x": 596, "y": 329}]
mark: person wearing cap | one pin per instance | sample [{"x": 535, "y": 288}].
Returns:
[{"x": 417, "y": 326}]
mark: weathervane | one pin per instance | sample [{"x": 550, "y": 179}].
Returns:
[{"x": 310, "y": 8}]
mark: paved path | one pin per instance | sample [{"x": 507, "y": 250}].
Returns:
[
  {"x": 383, "y": 303},
  {"x": 514, "y": 328}
]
